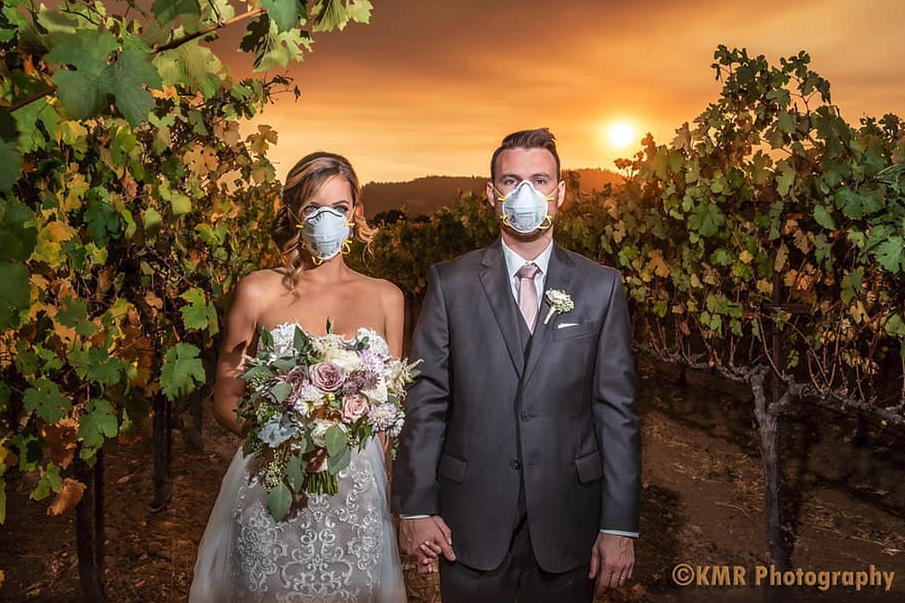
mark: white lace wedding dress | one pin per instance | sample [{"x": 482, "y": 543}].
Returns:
[{"x": 339, "y": 548}]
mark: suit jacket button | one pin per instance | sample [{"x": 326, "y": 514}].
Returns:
[{"x": 515, "y": 465}]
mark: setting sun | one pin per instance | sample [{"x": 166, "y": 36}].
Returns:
[{"x": 620, "y": 135}]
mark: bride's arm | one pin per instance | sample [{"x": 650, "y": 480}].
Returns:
[
  {"x": 393, "y": 303},
  {"x": 241, "y": 326}
]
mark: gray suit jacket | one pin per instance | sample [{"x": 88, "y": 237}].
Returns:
[{"x": 493, "y": 405}]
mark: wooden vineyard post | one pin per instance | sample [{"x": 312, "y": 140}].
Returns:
[
  {"x": 162, "y": 446},
  {"x": 89, "y": 529}
]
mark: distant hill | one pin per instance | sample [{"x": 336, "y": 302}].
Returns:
[{"x": 423, "y": 196}]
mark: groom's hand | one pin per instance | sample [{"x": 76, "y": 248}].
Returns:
[
  {"x": 426, "y": 539},
  {"x": 612, "y": 562}
]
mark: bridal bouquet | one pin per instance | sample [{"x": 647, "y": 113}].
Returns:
[{"x": 313, "y": 402}]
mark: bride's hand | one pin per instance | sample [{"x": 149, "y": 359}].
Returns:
[{"x": 426, "y": 539}]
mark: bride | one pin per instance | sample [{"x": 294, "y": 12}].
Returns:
[{"x": 336, "y": 548}]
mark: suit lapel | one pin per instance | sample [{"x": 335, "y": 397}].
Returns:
[
  {"x": 495, "y": 281},
  {"x": 559, "y": 276}
]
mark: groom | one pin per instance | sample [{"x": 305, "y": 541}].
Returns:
[{"x": 520, "y": 460}]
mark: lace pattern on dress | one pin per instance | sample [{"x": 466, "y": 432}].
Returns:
[{"x": 329, "y": 551}]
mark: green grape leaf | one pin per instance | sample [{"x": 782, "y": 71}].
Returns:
[
  {"x": 96, "y": 365},
  {"x": 31, "y": 450},
  {"x": 706, "y": 219},
  {"x": 335, "y": 14},
  {"x": 855, "y": 205},
  {"x": 81, "y": 91},
  {"x": 852, "y": 283},
  {"x": 785, "y": 179},
  {"x": 19, "y": 239},
  {"x": 126, "y": 81},
  {"x": 15, "y": 294},
  {"x": 359, "y": 11},
  {"x": 10, "y": 165},
  {"x": 45, "y": 400},
  {"x": 96, "y": 423},
  {"x": 50, "y": 482},
  {"x": 182, "y": 371},
  {"x": 284, "y": 13},
  {"x": 195, "y": 313},
  {"x": 72, "y": 312},
  {"x": 102, "y": 221},
  {"x": 166, "y": 11},
  {"x": 82, "y": 96},
  {"x": 823, "y": 217},
  {"x": 190, "y": 64},
  {"x": 891, "y": 254},
  {"x": 152, "y": 221},
  {"x": 895, "y": 326}
]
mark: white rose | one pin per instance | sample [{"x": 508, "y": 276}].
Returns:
[
  {"x": 347, "y": 360},
  {"x": 377, "y": 394},
  {"x": 319, "y": 431}
]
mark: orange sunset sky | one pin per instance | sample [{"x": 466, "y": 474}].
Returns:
[{"x": 431, "y": 86}]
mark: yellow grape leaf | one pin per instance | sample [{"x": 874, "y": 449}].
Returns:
[
  {"x": 50, "y": 239},
  {"x": 782, "y": 254},
  {"x": 745, "y": 256},
  {"x": 790, "y": 278},
  {"x": 657, "y": 263},
  {"x": 67, "y": 498},
  {"x": 166, "y": 92},
  {"x": 696, "y": 282},
  {"x": 619, "y": 231},
  {"x": 201, "y": 160},
  {"x": 261, "y": 141},
  {"x": 682, "y": 141},
  {"x": 228, "y": 132},
  {"x": 801, "y": 241},
  {"x": 61, "y": 440},
  {"x": 764, "y": 286},
  {"x": 858, "y": 312},
  {"x": 7, "y": 456},
  {"x": 76, "y": 187}
]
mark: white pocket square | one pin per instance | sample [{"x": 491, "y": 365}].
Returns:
[{"x": 566, "y": 325}]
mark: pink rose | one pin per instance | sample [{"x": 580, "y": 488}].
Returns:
[
  {"x": 354, "y": 407},
  {"x": 326, "y": 376},
  {"x": 297, "y": 377}
]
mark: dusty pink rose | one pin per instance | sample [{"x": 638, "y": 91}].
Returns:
[
  {"x": 354, "y": 407},
  {"x": 297, "y": 378},
  {"x": 326, "y": 376}
]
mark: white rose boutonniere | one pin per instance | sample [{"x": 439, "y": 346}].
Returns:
[{"x": 559, "y": 301}]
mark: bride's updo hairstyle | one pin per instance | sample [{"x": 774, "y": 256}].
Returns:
[{"x": 304, "y": 180}]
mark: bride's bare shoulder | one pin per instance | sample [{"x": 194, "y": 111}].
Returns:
[{"x": 260, "y": 285}]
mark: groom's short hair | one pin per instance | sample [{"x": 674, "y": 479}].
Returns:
[{"x": 539, "y": 138}]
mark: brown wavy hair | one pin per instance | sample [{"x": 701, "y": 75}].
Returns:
[{"x": 302, "y": 183}]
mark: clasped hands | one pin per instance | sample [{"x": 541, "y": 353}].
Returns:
[
  {"x": 426, "y": 539},
  {"x": 612, "y": 557}
]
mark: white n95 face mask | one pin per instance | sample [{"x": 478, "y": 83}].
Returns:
[
  {"x": 325, "y": 232},
  {"x": 525, "y": 208}
]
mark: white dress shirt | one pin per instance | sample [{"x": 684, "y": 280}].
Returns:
[{"x": 514, "y": 262}]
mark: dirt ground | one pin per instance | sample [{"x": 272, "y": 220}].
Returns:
[{"x": 844, "y": 499}]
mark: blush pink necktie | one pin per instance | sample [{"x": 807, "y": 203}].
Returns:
[{"x": 527, "y": 294}]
